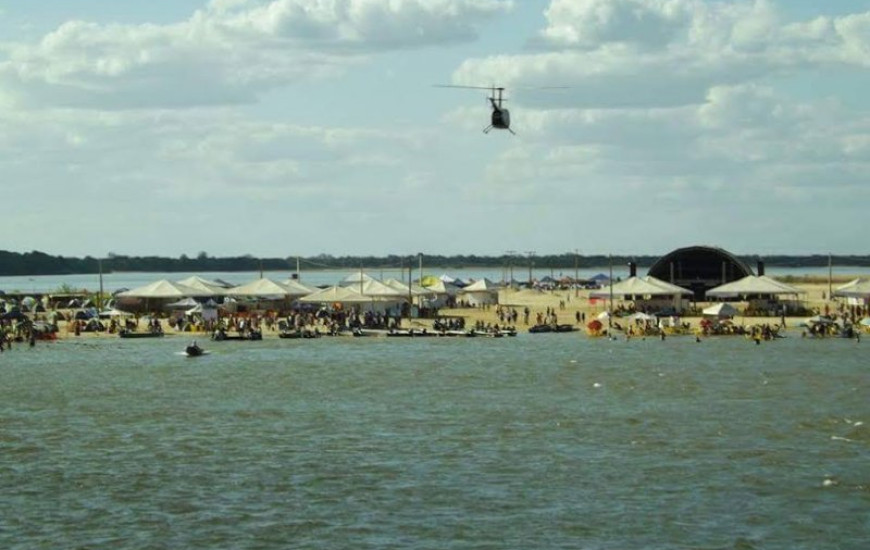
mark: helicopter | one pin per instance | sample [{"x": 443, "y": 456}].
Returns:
[{"x": 501, "y": 117}]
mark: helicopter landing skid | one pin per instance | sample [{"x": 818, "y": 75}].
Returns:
[{"x": 489, "y": 128}]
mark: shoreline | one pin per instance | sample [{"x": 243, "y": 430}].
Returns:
[{"x": 565, "y": 305}]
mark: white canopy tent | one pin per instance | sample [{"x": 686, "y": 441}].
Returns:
[
  {"x": 184, "y": 303},
  {"x": 402, "y": 288},
  {"x": 647, "y": 289},
  {"x": 335, "y": 294},
  {"x": 640, "y": 286},
  {"x": 350, "y": 296},
  {"x": 480, "y": 292},
  {"x": 296, "y": 288},
  {"x": 158, "y": 293},
  {"x": 214, "y": 287},
  {"x": 859, "y": 288},
  {"x": 378, "y": 289},
  {"x": 164, "y": 289},
  {"x": 440, "y": 293},
  {"x": 753, "y": 285},
  {"x": 267, "y": 289},
  {"x": 208, "y": 313},
  {"x": 355, "y": 278}
]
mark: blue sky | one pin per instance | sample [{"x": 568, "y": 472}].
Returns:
[{"x": 300, "y": 127}]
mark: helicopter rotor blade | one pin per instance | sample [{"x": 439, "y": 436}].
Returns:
[{"x": 490, "y": 88}]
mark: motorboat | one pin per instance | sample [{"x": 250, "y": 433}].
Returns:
[
  {"x": 193, "y": 350},
  {"x": 537, "y": 329},
  {"x": 127, "y": 333}
]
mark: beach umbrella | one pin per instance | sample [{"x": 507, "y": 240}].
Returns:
[{"x": 603, "y": 316}]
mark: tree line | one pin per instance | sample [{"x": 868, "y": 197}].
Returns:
[{"x": 39, "y": 263}]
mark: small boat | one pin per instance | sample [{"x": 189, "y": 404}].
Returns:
[
  {"x": 537, "y": 329},
  {"x": 410, "y": 333},
  {"x": 194, "y": 350},
  {"x": 299, "y": 334},
  {"x": 221, "y": 335},
  {"x": 126, "y": 333}
]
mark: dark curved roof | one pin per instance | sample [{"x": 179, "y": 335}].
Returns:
[{"x": 699, "y": 268}]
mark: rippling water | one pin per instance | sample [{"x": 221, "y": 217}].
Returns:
[{"x": 539, "y": 441}]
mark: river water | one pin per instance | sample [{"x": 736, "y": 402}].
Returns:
[{"x": 538, "y": 441}]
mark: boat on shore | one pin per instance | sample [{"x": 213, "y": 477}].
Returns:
[
  {"x": 127, "y": 333},
  {"x": 221, "y": 335},
  {"x": 540, "y": 329},
  {"x": 301, "y": 334}
]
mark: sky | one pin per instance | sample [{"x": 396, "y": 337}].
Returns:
[{"x": 281, "y": 128}]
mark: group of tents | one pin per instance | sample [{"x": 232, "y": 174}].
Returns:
[
  {"x": 358, "y": 290},
  {"x": 750, "y": 287}
]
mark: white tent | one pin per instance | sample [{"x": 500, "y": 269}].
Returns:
[
  {"x": 184, "y": 303},
  {"x": 440, "y": 293},
  {"x": 164, "y": 289},
  {"x": 296, "y": 288},
  {"x": 206, "y": 312},
  {"x": 480, "y": 292},
  {"x": 753, "y": 285},
  {"x": 374, "y": 288},
  {"x": 355, "y": 278},
  {"x": 482, "y": 285},
  {"x": 640, "y": 286},
  {"x": 441, "y": 287},
  {"x": 403, "y": 289},
  {"x": 350, "y": 296},
  {"x": 336, "y": 294},
  {"x": 267, "y": 289},
  {"x": 859, "y": 288},
  {"x": 721, "y": 310},
  {"x": 204, "y": 284}
]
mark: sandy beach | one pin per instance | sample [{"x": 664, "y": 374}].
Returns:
[{"x": 567, "y": 305}]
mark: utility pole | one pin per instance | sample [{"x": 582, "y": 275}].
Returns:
[
  {"x": 511, "y": 254},
  {"x": 610, "y": 310},
  {"x": 576, "y": 273},
  {"x": 531, "y": 254},
  {"x": 100, "y": 299},
  {"x": 410, "y": 291}
]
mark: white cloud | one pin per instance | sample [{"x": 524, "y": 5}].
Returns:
[
  {"x": 227, "y": 53},
  {"x": 590, "y": 23},
  {"x": 662, "y": 53}
]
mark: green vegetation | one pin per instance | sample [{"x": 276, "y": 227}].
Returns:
[{"x": 39, "y": 263}]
